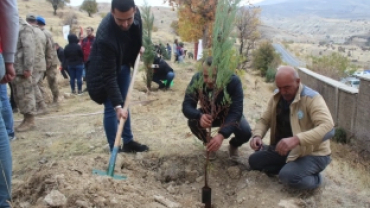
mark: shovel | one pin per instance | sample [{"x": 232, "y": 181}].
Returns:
[{"x": 117, "y": 142}]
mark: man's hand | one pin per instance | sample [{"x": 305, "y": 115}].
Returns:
[
  {"x": 215, "y": 143},
  {"x": 142, "y": 50},
  {"x": 256, "y": 143},
  {"x": 26, "y": 73},
  {"x": 206, "y": 121},
  {"x": 121, "y": 113},
  {"x": 9, "y": 73},
  {"x": 286, "y": 144}
]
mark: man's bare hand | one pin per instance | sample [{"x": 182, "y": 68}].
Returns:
[
  {"x": 121, "y": 113},
  {"x": 256, "y": 143},
  {"x": 215, "y": 143},
  {"x": 27, "y": 73},
  {"x": 142, "y": 50},
  {"x": 286, "y": 144},
  {"x": 9, "y": 73},
  {"x": 206, "y": 121}
]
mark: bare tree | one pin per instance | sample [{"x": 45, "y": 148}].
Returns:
[{"x": 247, "y": 22}]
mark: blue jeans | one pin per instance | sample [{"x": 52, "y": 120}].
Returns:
[
  {"x": 6, "y": 110},
  {"x": 75, "y": 72},
  {"x": 110, "y": 118},
  {"x": 169, "y": 77},
  {"x": 5, "y": 158}
]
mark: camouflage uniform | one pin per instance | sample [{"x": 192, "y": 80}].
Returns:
[
  {"x": 43, "y": 59},
  {"x": 52, "y": 71},
  {"x": 24, "y": 87},
  {"x": 24, "y": 60}
]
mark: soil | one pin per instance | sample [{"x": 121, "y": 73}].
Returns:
[{"x": 69, "y": 143}]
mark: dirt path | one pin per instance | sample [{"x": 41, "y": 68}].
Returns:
[{"x": 70, "y": 142}]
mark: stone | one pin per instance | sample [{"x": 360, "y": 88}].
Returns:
[
  {"x": 199, "y": 179},
  {"x": 43, "y": 160},
  {"x": 234, "y": 172},
  {"x": 24, "y": 205},
  {"x": 67, "y": 95},
  {"x": 191, "y": 175},
  {"x": 55, "y": 199},
  {"x": 82, "y": 204},
  {"x": 171, "y": 189}
]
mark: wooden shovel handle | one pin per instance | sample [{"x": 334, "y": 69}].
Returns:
[{"x": 122, "y": 121}]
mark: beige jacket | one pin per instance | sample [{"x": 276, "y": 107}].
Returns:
[{"x": 310, "y": 121}]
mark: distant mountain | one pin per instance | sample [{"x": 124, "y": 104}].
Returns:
[{"x": 339, "y": 9}]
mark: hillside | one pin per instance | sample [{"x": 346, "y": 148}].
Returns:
[{"x": 323, "y": 20}]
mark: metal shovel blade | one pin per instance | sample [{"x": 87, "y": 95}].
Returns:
[
  {"x": 112, "y": 163},
  {"x": 105, "y": 173}
]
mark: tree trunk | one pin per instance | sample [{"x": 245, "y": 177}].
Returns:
[
  {"x": 205, "y": 37},
  {"x": 195, "y": 50},
  {"x": 89, "y": 14},
  {"x": 241, "y": 46}
]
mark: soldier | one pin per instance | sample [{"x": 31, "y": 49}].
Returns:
[
  {"x": 51, "y": 72},
  {"x": 43, "y": 60},
  {"x": 23, "y": 84}
]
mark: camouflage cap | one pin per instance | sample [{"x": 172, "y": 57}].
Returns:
[{"x": 31, "y": 16}]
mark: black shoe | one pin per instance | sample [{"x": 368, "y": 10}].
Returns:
[
  {"x": 73, "y": 91},
  {"x": 79, "y": 92},
  {"x": 134, "y": 147}
]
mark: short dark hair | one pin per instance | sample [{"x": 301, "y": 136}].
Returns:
[
  {"x": 208, "y": 61},
  {"x": 123, "y": 5}
]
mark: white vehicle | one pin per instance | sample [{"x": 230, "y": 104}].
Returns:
[{"x": 351, "y": 81}]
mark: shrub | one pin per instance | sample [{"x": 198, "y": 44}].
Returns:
[
  {"x": 270, "y": 74},
  {"x": 340, "y": 135},
  {"x": 265, "y": 57}
]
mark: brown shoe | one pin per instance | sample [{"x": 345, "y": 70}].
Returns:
[
  {"x": 233, "y": 152},
  {"x": 27, "y": 124}
]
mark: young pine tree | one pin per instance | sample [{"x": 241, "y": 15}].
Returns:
[{"x": 148, "y": 56}]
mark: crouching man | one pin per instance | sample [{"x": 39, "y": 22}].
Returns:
[
  {"x": 300, "y": 126},
  {"x": 230, "y": 118}
]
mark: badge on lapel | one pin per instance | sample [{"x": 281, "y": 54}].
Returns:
[{"x": 300, "y": 114}]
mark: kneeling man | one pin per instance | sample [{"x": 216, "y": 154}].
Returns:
[{"x": 300, "y": 126}]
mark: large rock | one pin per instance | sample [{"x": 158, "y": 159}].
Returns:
[{"x": 55, "y": 199}]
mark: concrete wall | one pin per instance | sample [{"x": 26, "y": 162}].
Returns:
[
  {"x": 362, "y": 122},
  {"x": 350, "y": 107}
]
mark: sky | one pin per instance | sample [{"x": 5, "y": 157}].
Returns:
[{"x": 141, "y": 2}]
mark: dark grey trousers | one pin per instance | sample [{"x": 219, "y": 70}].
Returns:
[{"x": 303, "y": 173}]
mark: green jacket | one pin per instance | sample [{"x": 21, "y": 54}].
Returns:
[{"x": 310, "y": 120}]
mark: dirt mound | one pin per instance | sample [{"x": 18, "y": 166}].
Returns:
[{"x": 178, "y": 179}]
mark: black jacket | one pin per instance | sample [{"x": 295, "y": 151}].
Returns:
[
  {"x": 73, "y": 55},
  {"x": 60, "y": 53},
  {"x": 112, "y": 49},
  {"x": 233, "y": 114},
  {"x": 163, "y": 67}
]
